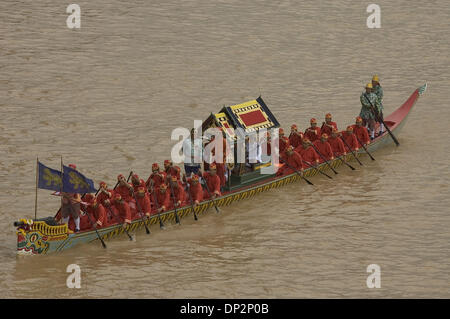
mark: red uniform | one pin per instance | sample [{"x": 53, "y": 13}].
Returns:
[
  {"x": 98, "y": 215},
  {"x": 213, "y": 182},
  {"x": 308, "y": 155},
  {"x": 179, "y": 195},
  {"x": 327, "y": 129},
  {"x": 337, "y": 146},
  {"x": 124, "y": 192},
  {"x": 173, "y": 171},
  {"x": 324, "y": 149},
  {"x": 122, "y": 211},
  {"x": 312, "y": 133},
  {"x": 141, "y": 184},
  {"x": 295, "y": 139},
  {"x": 351, "y": 141},
  {"x": 294, "y": 161},
  {"x": 158, "y": 179},
  {"x": 196, "y": 191},
  {"x": 144, "y": 204},
  {"x": 101, "y": 196},
  {"x": 362, "y": 134},
  {"x": 163, "y": 199}
]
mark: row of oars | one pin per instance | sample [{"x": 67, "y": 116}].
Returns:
[{"x": 161, "y": 224}]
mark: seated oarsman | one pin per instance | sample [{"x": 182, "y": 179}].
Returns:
[
  {"x": 122, "y": 210},
  {"x": 70, "y": 207},
  {"x": 292, "y": 164},
  {"x": 125, "y": 190},
  {"x": 313, "y": 132},
  {"x": 104, "y": 197},
  {"x": 361, "y": 132},
  {"x": 172, "y": 170},
  {"x": 179, "y": 195},
  {"x": 324, "y": 148},
  {"x": 295, "y": 138},
  {"x": 163, "y": 198},
  {"x": 136, "y": 182},
  {"x": 156, "y": 178},
  {"x": 143, "y": 199},
  {"x": 328, "y": 125},
  {"x": 213, "y": 182},
  {"x": 283, "y": 143},
  {"x": 308, "y": 154},
  {"x": 96, "y": 212},
  {"x": 195, "y": 189},
  {"x": 378, "y": 91},
  {"x": 337, "y": 146},
  {"x": 350, "y": 139}
]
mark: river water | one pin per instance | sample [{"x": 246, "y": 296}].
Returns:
[{"x": 107, "y": 96}]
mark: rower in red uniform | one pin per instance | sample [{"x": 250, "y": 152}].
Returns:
[
  {"x": 328, "y": 125},
  {"x": 137, "y": 182},
  {"x": 294, "y": 163},
  {"x": 105, "y": 196},
  {"x": 283, "y": 143},
  {"x": 337, "y": 146},
  {"x": 143, "y": 199},
  {"x": 324, "y": 148},
  {"x": 295, "y": 138},
  {"x": 350, "y": 139},
  {"x": 156, "y": 178},
  {"x": 163, "y": 198},
  {"x": 179, "y": 195},
  {"x": 195, "y": 188},
  {"x": 96, "y": 211},
  {"x": 313, "y": 133},
  {"x": 123, "y": 212},
  {"x": 361, "y": 132},
  {"x": 124, "y": 189},
  {"x": 171, "y": 170},
  {"x": 308, "y": 154},
  {"x": 213, "y": 182}
]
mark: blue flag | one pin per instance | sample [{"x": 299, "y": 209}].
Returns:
[
  {"x": 49, "y": 178},
  {"x": 75, "y": 182}
]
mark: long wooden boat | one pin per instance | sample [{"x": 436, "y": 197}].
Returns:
[{"x": 41, "y": 237}]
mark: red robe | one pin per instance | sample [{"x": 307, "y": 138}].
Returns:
[
  {"x": 362, "y": 134},
  {"x": 196, "y": 191},
  {"x": 308, "y": 155},
  {"x": 141, "y": 184},
  {"x": 157, "y": 179},
  {"x": 337, "y": 146},
  {"x": 163, "y": 200},
  {"x": 173, "y": 171},
  {"x": 179, "y": 194},
  {"x": 144, "y": 205},
  {"x": 124, "y": 192},
  {"x": 295, "y": 139},
  {"x": 220, "y": 171},
  {"x": 122, "y": 211},
  {"x": 326, "y": 129},
  {"x": 312, "y": 134},
  {"x": 213, "y": 182},
  {"x": 324, "y": 149},
  {"x": 294, "y": 161},
  {"x": 283, "y": 143},
  {"x": 98, "y": 215},
  {"x": 101, "y": 197},
  {"x": 351, "y": 141}
]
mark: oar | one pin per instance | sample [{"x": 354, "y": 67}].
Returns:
[
  {"x": 345, "y": 163},
  {"x": 364, "y": 147},
  {"x": 118, "y": 219},
  {"x": 323, "y": 158},
  {"x": 161, "y": 224},
  {"x": 210, "y": 196},
  {"x": 306, "y": 180},
  {"x": 95, "y": 228},
  {"x": 351, "y": 151},
  {"x": 192, "y": 202},
  {"x": 177, "y": 219},
  {"x": 372, "y": 109},
  {"x": 315, "y": 167},
  {"x": 140, "y": 212}
]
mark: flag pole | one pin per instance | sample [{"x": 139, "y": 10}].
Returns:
[{"x": 37, "y": 180}]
